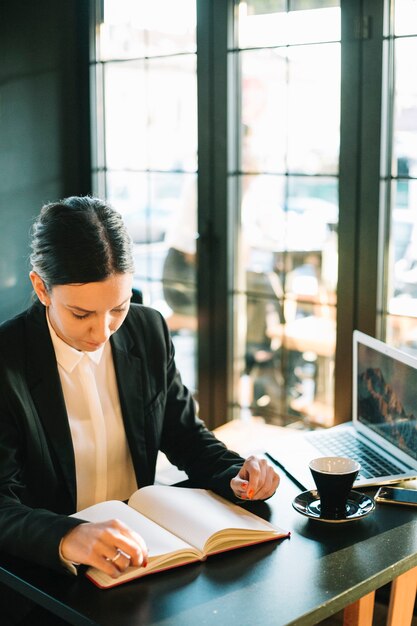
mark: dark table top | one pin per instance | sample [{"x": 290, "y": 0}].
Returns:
[{"x": 301, "y": 580}]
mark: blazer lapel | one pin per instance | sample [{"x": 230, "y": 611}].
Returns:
[
  {"x": 129, "y": 374},
  {"x": 46, "y": 391}
]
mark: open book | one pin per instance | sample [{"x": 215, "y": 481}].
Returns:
[{"x": 179, "y": 526}]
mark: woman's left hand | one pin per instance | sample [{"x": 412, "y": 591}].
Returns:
[{"x": 256, "y": 480}]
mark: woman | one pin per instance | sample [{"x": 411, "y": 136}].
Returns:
[{"x": 89, "y": 394}]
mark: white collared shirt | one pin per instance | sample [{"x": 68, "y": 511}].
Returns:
[{"x": 103, "y": 463}]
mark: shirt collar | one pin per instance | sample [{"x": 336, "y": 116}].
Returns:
[{"x": 67, "y": 356}]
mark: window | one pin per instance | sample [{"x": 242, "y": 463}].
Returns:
[
  {"x": 146, "y": 151},
  {"x": 398, "y": 310},
  {"x": 286, "y": 273},
  {"x": 306, "y": 188}
]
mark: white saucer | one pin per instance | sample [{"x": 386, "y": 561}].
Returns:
[{"x": 358, "y": 506}]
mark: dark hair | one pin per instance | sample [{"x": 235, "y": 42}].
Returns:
[{"x": 79, "y": 240}]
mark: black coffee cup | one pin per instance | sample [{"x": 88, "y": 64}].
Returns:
[{"x": 334, "y": 477}]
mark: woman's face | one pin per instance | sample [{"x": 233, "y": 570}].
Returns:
[{"x": 85, "y": 315}]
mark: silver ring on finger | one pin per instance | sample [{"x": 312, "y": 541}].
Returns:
[{"x": 116, "y": 556}]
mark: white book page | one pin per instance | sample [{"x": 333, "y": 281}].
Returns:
[
  {"x": 158, "y": 540},
  {"x": 194, "y": 514}
]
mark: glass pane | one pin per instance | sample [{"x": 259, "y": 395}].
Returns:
[
  {"x": 178, "y": 273},
  {"x": 125, "y": 106},
  {"x": 122, "y": 31},
  {"x": 403, "y": 293},
  {"x": 263, "y": 7},
  {"x": 288, "y": 244},
  {"x": 288, "y": 366},
  {"x": 153, "y": 206},
  {"x": 309, "y": 338},
  {"x": 172, "y": 97},
  {"x": 167, "y": 203},
  {"x": 129, "y": 193},
  {"x": 145, "y": 128},
  {"x": 179, "y": 268},
  {"x": 261, "y": 23},
  {"x": 402, "y": 332},
  {"x": 135, "y": 28},
  {"x": 263, "y": 379},
  {"x": 259, "y": 384},
  {"x": 263, "y": 220},
  {"x": 303, "y": 226},
  {"x": 314, "y": 109},
  {"x": 405, "y": 116},
  {"x": 142, "y": 256},
  {"x": 147, "y": 170},
  {"x": 291, "y": 110},
  {"x": 171, "y": 26},
  {"x": 264, "y": 111},
  {"x": 266, "y": 23},
  {"x": 184, "y": 337},
  {"x": 312, "y": 221},
  {"x": 289, "y": 252},
  {"x": 405, "y": 17},
  {"x": 303, "y": 5},
  {"x": 401, "y": 288}
]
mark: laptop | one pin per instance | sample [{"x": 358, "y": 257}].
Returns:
[{"x": 382, "y": 435}]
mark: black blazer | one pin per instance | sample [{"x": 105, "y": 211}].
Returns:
[{"x": 37, "y": 467}]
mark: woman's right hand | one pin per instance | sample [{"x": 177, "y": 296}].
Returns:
[{"x": 109, "y": 546}]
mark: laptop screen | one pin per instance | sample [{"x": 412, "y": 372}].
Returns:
[{"x": 386, "y": 393}]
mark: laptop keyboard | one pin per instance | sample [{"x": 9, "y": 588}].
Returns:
[{"x": 346, "y": 444}]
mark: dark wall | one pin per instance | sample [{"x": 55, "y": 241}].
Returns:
[{"x": 44, "y": 125}]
